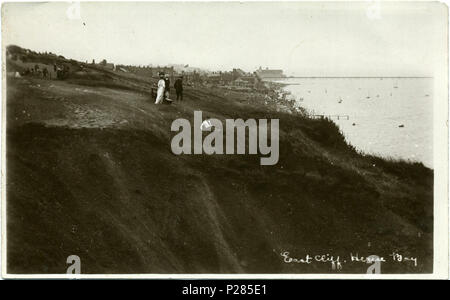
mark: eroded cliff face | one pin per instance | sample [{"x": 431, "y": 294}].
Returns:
[{"x": 90, "y": 173}]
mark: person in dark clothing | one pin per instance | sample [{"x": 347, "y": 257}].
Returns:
[
  {"x": 167, "y": 87},
  {"x": 45, "y": 72},
  {"x": 179, "y": 88}
]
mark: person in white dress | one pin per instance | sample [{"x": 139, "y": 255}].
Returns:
[{"x": 161, "y": 88}]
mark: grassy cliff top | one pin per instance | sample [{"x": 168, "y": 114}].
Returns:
[{"x": 90, "y": 173}]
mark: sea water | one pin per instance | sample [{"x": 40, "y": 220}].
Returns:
[{"x": 388, "y": 117}]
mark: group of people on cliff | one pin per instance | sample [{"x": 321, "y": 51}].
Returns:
[
  {"x": 163, "y": 92},
  {"x": 37, "y": 71},
  {"x": 44, "y": 72}
]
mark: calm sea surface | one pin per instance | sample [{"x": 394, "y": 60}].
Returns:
[{"x": 389, "y": 117}]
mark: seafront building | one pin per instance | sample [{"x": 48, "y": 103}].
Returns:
[{"x": 267, "y": 73}]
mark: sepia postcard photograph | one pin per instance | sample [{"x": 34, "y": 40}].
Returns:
[{"x": 270, "y": 140}]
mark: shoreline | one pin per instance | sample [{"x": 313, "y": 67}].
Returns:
[{"x": 272, "y": 96}]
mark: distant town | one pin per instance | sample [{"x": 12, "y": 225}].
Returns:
[{"x": 236, "y": 78}]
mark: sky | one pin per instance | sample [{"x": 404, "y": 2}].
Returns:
[{"x": 304, "y": 39}]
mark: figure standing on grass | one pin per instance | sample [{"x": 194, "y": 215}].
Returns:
[
  {"x": 167, "y": 88},
  {"x": 161, "y": 87},
  {"x": 179, "y": 88},
  {"x": 45, "y": 72}
]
